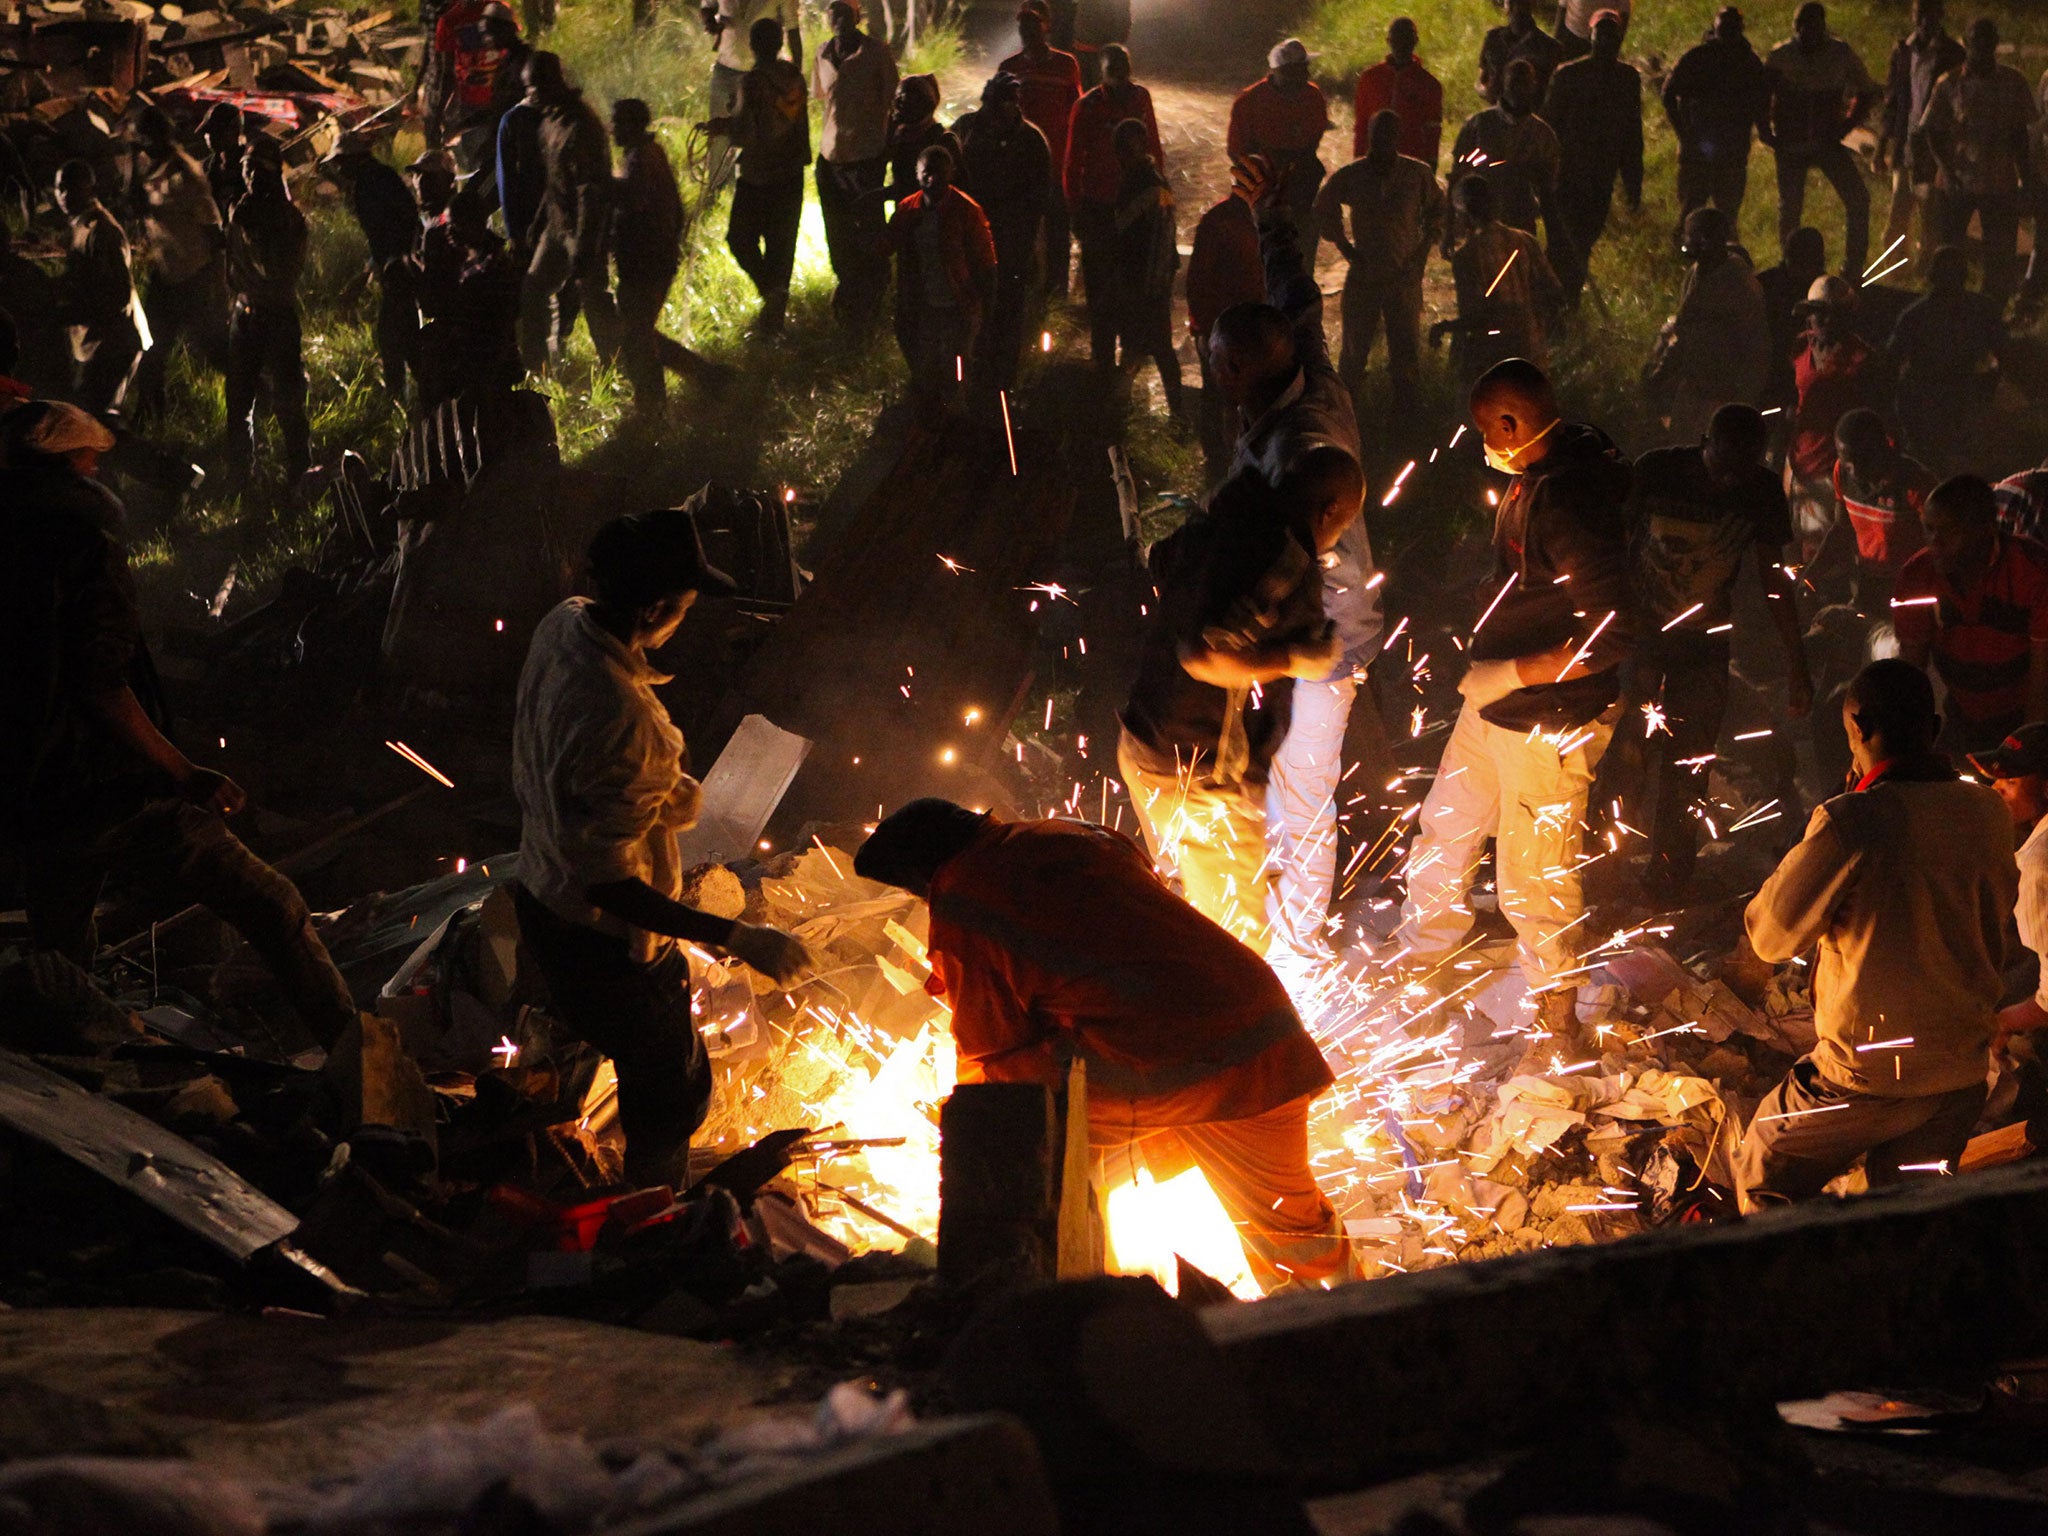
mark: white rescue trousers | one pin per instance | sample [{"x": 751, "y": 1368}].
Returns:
[
  {"x": 1301, "y": 817},
  {"x": 1209, "y": 835},
  {"x": 1518, "y": 788}
]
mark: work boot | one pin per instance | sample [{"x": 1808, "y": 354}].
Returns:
[{"x": 1557, "y": 1034}]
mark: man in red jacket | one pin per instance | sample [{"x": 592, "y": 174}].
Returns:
[
  {"x": 1054, "y": 940},
  {"x": 1403, "y": 87},
  {"x": 945, "y": 280},
  {"x": 1092, "y": 176},
  {"x": 1052, "y": 84}
]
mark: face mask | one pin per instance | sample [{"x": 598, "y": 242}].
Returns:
[{"x": 1503, "y": 459}]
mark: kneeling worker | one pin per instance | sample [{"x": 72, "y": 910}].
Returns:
[
  {"x": 598, "y": 769},
  {"x": 1905, "y": 884},
  {"x": 1056, "y": 939}
]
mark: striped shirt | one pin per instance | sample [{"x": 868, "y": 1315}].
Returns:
[
  {"x": 1885, "y": 514},
  {"x": 1982, "y": 639}
]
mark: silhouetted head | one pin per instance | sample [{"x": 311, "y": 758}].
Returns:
[
  {"x": 1961, "y": 523},
  {"x": 912, "y": 844},
  {"x": 1383, "y": 135},
  {"x": 1402, "y": 39},
  {"x": 1738, "y": 440},
  {"x": 1514, "y": 410},
  {"x": 1889, "y": 714},
  {"x": 1251, "y": 352},
  {"x": 1520, "y": 88},
  {"x": 1116, "y": 64}
]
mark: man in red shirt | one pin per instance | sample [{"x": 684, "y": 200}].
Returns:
[
  {"x": 1283, "y": 118},
  {"x": 1879, "y": 493},
  {"x": 1056, "y": 940},
  {"x": 1092, "y": 176},
  {"x": 945, "y": 281},
  {"x": 1052, "y": 84},
  {"x": 1974, "y": 604},
  {"x": 1403, "y": 87},
  {"x": 1835, "y": 373}
]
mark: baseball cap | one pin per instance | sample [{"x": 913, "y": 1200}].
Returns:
[{"x": 2022, "y": 755}]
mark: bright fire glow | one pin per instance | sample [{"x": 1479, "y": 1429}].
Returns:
[{"x": 1150, "y": 1223}]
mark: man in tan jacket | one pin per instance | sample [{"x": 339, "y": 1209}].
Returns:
[{"x": 1904, "y": 884}]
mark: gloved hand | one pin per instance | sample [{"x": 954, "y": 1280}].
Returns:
[
  {"x": 782, "y": 957},
  {"x": 1488, "y": 682}
]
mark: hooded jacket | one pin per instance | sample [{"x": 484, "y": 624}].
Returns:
[{"x": 1561, "y": 563}]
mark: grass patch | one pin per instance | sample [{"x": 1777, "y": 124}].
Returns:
[
  {"x": 798, "y": 412},
  {"x": 1635, "y": 272}
]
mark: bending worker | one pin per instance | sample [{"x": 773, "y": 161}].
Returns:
[
  {"x": 1055, "y": 939},
  {"x": 598, "y": 769}
]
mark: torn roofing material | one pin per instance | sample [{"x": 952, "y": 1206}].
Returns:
[{"x": 164, "y": 1171}]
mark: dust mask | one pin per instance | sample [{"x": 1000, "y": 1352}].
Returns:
[{"x": 1503, "y": 459}]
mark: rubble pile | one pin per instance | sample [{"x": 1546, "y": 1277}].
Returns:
[
  {"x": 459, "y": 1150},
  {"x": 68, "y": 68}
]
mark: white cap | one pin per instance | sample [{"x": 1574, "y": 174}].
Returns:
[
  {"x": 1292, "y": 51},
  {"x": 1832, "y": 291}
]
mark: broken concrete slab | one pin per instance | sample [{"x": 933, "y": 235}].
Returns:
[
  {"x": 975, "y": 1476},
  {"x": 1375, "y": 1381}
]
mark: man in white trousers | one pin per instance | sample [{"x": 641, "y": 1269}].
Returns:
[
  {"x": 1272, "y": 363},
  {"x": 1542, "y": 695}
]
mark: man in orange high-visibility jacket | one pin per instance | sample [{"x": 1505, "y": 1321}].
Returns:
[{"x": 1053, "y": 940}]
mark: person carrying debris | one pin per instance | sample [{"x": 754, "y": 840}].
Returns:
[
  {"x": 1541, "y": 697},
  {"x": 1006, "y": 168},
  {"x": 945, "y": 282},
  {"x": 1904, "y": 885},
  {"x": 1697, "y": 514},
  {"x": 1299, "y": 433},
  {"x": 570, "y": 237},
  {"x": 1055, "y": 941},
  {"x": 598, "y": 769},
  {"x": 1239, "y": 618},
  {"x": 771, "y": 125},
  {"x": 96, "y": 294},
  {"x": 479, "y": 57},
  {"x": 89, "y": 781},
  {"x": 266, "y": 254}
]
